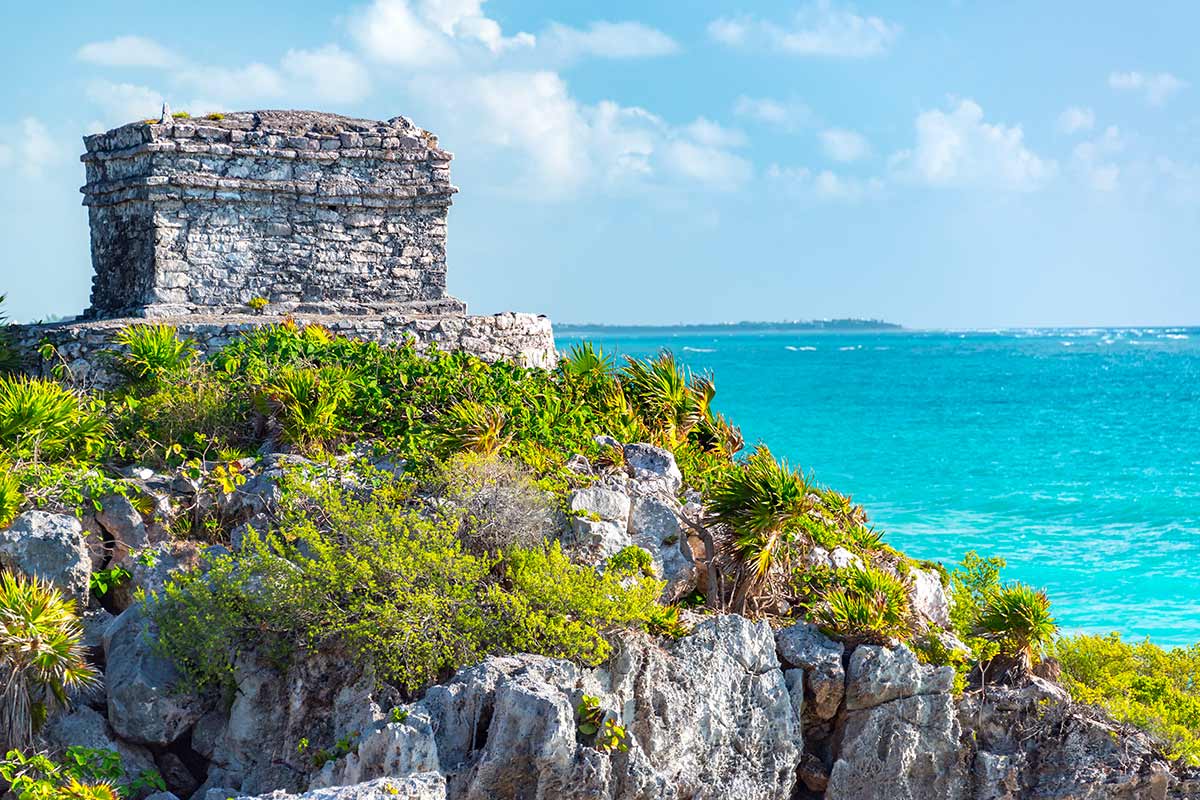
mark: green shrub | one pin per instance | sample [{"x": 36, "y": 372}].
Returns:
[
  {"x": 82, "y": 774},
  {"x": 631, "y": 560},
  {"x": 496, "y": 502},
  {"x": 41, "y": 656},
  {"x": 43, "y": 419},
  {"x": 868, "y": 605},
  {"x": 549, "y": 606},
  {"x": 1140, "y": 683},
  {"x": 377, "y": 579},
  {"x": 152, "y": 352},
  {"x": 762, "y": 502},
  {"x": 1017, "y": 617}
]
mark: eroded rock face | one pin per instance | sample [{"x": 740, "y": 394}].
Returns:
[
  {"x": 805, "y": 647},
  {"x": 899, "y": 739},
  {"x": 419, "y": 786},
  {"x": 1032, "y": 744},
  {"x": 50, "y": 547},
  {"x": 85, "y": 727},
  {"x": 708, "y": 716},
  {"x": 145, "y": 703}
]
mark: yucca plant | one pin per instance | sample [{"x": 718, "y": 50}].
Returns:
[
  {"x": 475, "y": 427},
  {"x": 870, "y": 606},
  {"x": 1017, "y": 617},
  {"x": 41, "y": 656},
  {"x": 664, "y": 396},
  {"x": 152, "y": 351},
  {"x": 306, "y": 402},
  {"x": 761, "y": 502},
  {"x": 44, "y": 418},
  {"x": 586, "y": 360}
]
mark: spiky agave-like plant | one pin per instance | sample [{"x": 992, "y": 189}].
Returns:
[
  {"x": 761, "y": 502},
  {"x": 664, "y": 395},
  {"x": 152, "y": 351},
  {"x": 43, "y": 417},
  {"x": 1017, "y": 617},
  {"x": 41, "y": 656},
  {"x": 475, "y": 427},
  {"x": 871, "y": 605}
]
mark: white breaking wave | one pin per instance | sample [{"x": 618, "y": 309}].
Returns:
[
  {"x": 795, "y": 349},
  {"x": 699, "y": 349}
]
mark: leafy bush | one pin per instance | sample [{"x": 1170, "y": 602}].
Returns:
[
  {"x": 43, "y": 419},
  {"x": 152, "y": 352},
  {"x": 1142, "y": 684},
  {"x": 201, "y": 413},
  {"x": 631, "y": 560},
  {"x": 1017, "y": 617},
  {"x": 375, "y": 578},
  {"x": 41, "y": 656},
  {"x": 497, "y": 503},
  {"x": 762, "y": 502},
  {"x": 82, "y": 774},
  {"x": 870, "y": 605}
]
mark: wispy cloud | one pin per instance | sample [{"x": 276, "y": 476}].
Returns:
[
  {"x": 824, "y": 184},
  {"x": 127, "y": 51},
  {"x": 820, "y": 29},
  {"x": 844, "y": 145},
  {"x": 957, "y": 148},
  {"x": 1156, "y": 89},
  {"x": 29, "y": 148},
  {"x": 1075, "y": 119},
  {"x": 606, "y": 40},
  {"x": 788, "y": 115}
]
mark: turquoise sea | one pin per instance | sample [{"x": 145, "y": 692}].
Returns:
[{"x": 1075, "y": 454}]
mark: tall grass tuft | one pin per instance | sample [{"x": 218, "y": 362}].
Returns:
[
  {"x": 1017, "y": 617},
  {"x": 152, "y": 352}
]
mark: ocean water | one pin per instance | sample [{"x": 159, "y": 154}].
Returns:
[{"x": 1074, "y": 454}]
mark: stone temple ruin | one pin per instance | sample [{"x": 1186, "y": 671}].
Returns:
[{"x": 327, "y": 219}]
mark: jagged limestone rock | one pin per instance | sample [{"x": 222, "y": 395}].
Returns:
[
  {"x": 50, "y": 547},
  {"x": 803, "y": 645},
  {"x": 417, "y": 786},
  {"x": 654, "y": 465},
  {"x": 85, "y": 727},
  {"x": 145, "y": 701},
  {"x": 899, "y": 739},
  {"x": 708, "y": 716}
]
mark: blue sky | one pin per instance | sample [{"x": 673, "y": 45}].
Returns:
[{"x": 951, "y": 164}]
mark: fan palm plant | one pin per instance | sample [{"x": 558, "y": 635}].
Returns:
[
  {"x": 661, "y": 392},
  {"x": 1017, "y": 617},
  {"x": 41, "y": 656},
  {"x": 307, "y": 402},
  {"x": 870, "y": 606},
  {"x": 43, "y": 417},
  {"x": 152, "y": 351},
  {"x": 761, "y": 502},
  {"x": 473, "y": 426}
]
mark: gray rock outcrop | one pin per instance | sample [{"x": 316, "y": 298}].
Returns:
[
  {"x": 708, "y": 716},
  {"x": 50, "y": 547}
]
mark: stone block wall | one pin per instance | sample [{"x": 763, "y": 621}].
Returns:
[
  {"x": 80, "y": 347},
  {"x": 314, "y": 212}
]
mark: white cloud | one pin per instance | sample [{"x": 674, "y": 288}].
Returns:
[
  {"x": 606, "y": 40},
  {"x": 429, "y": 33},
  {"x": 844, "y": 145},
  {"x": 231, "y": 86},
  {"x": 824, "y": 185},
  {"x": 127, "y": 51},
  {"x": 1075, "y": 119},
  {"x": 332, "y": 74},
  {"x": 29, "y": 147},
  {"x": 1093, "y": 159},
  {"x": 564, "y": 144},
  {"x": 124, "y": 102},
  {"x": 1156, "y": 89},
  {"x": 789, "y": 115},
  {"x": 820, "y": 29},
  {"x": 957, "y": 148}
]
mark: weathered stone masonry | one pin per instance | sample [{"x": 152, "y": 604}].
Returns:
[
  {"x": 339, "y": 220},
  {"x": 313, "y": 212}
]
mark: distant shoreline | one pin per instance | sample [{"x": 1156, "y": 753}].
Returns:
[{"x": 865, "y": 325}]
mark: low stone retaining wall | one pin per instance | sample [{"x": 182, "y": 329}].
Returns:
[{"x": 525, "y": 339}]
